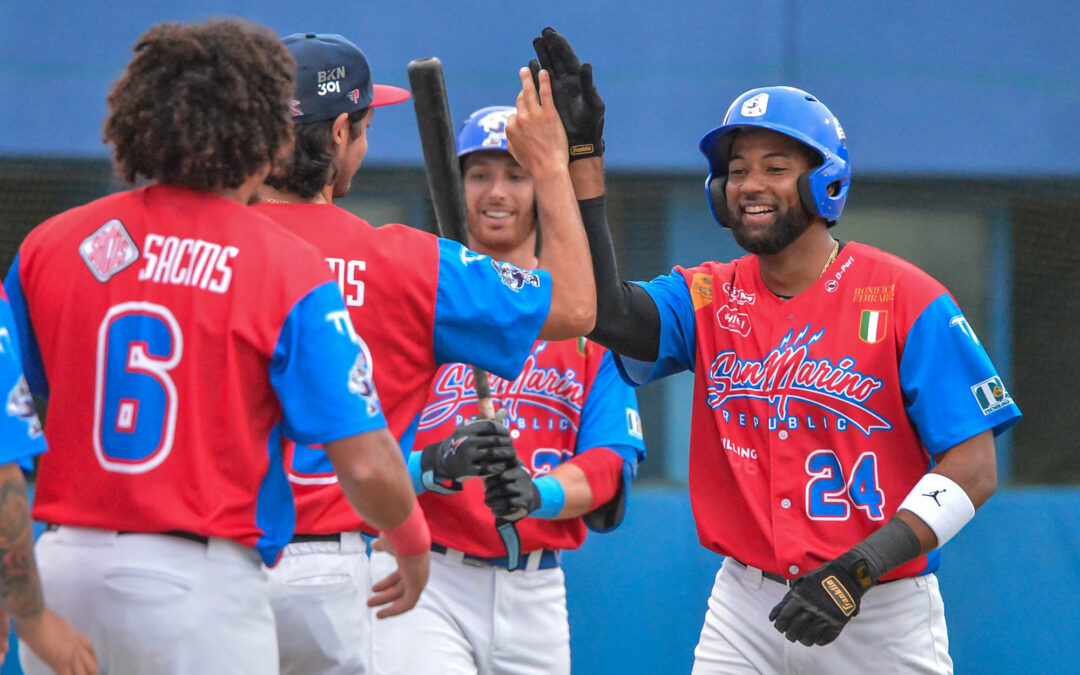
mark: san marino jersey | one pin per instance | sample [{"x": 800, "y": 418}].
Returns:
[
  {"x": 20, "y": 431},
  {"x": 568, "y": 399},
  {"x": 418, "y": 301},
  {"x": 175, "y": 333},
  {"x": 813, "y": 418}
]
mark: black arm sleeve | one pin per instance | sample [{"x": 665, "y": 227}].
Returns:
[{"x": 627, "y": 321}]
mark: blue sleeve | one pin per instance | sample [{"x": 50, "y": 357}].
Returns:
[
  {"x": 951, "y": 388},
  {"x": 610, "y": 418},
  {"x": 20, "y": 430},
  {"x": 32, "y": 365},
  {"x": 321, "y": 371},
  {"x": 487, "y": 313},
  {"x": 678, "y": 340}
]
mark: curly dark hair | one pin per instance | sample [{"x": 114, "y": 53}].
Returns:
[
  {"x": 312, "y": 165},
  {"x": 203, "y": 105}
]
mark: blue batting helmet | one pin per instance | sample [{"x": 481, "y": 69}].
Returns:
[
  {"x": 794, "y": 113},
  {"x": 484, "y": 130}
]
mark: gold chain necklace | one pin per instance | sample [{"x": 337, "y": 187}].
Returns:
[{"x": 832, "y": 257}]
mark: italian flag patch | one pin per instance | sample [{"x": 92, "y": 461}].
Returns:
[{"x": 872, "y": 325}]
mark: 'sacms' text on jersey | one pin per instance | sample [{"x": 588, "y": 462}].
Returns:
[{"x": 187, "y": 262}]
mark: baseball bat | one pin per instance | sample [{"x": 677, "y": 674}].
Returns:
[
  {"x": 443, "y": 174},
  {"x": 448, "y": 200}
]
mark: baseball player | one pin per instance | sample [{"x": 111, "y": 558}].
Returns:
[
  {"x": 177, "y": 335},
  {"x": 844, "y": 410},
  {"x": 52, "y": 638},
  {"x": 420, "y": 301},
  {"x": 577, "y": 432}
]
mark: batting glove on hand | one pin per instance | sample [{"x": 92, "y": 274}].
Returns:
[
  {"x": 512, "y": 494},
  {"x": 476, "y": 448},
  {"x": 579, "y": 104},
  {"x": 820, "y": 604}
]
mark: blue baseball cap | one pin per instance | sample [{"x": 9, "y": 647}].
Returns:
[{"x": 333, "y": 77}]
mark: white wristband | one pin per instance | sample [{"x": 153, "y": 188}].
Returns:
[{"x": 941, "y": 504}]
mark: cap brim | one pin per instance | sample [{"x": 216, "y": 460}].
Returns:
[{"x": 386, "y": 94}]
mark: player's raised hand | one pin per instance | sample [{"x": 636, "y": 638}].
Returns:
[
  {"x": 574, "y": 92},
  {"x": 58, "y": 644},
  {"x": 478, "y": 447},
  {"x": 535, "y": 134},
  {"x": 512, "y": 494},
  {"x": 821, "y": 603},
  {"x": 401, "y": 590}
]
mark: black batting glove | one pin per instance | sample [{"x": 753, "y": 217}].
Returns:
[
  {"x": 821, "y": 603},
  {"x": 579, "y": 104},
  {"x": 511, "y": 495},
  {"x": 476, "y": 448}
]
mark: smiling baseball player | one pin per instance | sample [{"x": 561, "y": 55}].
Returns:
[
  {"x": 178, "y": 334},
  {"x": 578, "y": 437},
  {"x": 844, "y": 411},
  {"x": 420, "y": 301}
]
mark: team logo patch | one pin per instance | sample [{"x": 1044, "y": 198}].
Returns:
[
  {"x": 633, "y": 423},
  {"x": 515, "y": 278},
  {"x": 872, "y": 325},
  {"x": 730, "y": 318},
  {"x": 991, "y": 395},
  {"x": 839, "y": 594},
  {"x": 21, "y": 405},
  {"x": 701, "y": 290},
  {"x": 109, "y": 250},
  {"x": 354, "y": 96},
  {"x": 361, "y": 384},
  {"x": 494, "y": 123},
  {"x": 756, "y": 106}
]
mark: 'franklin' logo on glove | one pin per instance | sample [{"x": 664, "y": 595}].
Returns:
[{"x": 839, "y": 595}]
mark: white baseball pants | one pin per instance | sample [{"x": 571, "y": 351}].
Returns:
[
  {"x": 319, "y": 593},
  {"x": 153, "y": 603},
  {"x": 477, "y": 620},
  {"x": 900, "y": 628}
]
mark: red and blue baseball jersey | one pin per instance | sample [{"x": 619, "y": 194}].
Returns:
[
  {"x": 419, "y": 301},
  {"x": 176, "y": 335},
  {"x": 814, "y": 417},
  {"x": 20, "y": 429},
  {"x": 566, "y": 401}
]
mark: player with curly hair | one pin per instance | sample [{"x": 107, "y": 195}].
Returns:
[{"x": 178, "y": 335}]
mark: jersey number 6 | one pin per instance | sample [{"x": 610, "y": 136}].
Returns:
[
  {"x": 135, "y": 402},
  {"x": 828, "y": 495}
]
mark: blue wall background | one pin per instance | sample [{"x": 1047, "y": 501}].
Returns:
[
  {"x": 973, "y": 88},
  {"x": 988, "y": 87}
]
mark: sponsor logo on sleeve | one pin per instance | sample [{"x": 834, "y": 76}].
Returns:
[
  {"x": 701, "y": 290},
  {"x": 633, "y": 423},
  {"x": 109, "y": 250},
  {"x": 965, "y": 327},
  {"x": 872, "y": 325},
  {"x": 991, "y": 395}
]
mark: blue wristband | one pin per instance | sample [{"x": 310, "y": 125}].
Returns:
[
  {"x": 415, "y": 472},
  {"x": 552, "y": 497}
]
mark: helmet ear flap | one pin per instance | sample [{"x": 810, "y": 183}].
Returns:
[
  {"x": 807, "y": 195},
  {"x": 718, "y": 197}
]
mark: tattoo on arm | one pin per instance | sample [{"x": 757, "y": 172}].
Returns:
[{"x": 20, "y": 586}]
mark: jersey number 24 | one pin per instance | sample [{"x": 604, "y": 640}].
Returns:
[{"x": 829, "y": 496}]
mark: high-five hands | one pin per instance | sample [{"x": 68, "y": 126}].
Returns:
[{"x": 580, "y": 106}]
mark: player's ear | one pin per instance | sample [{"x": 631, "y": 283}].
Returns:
[{"x": 341, "y": 130}]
